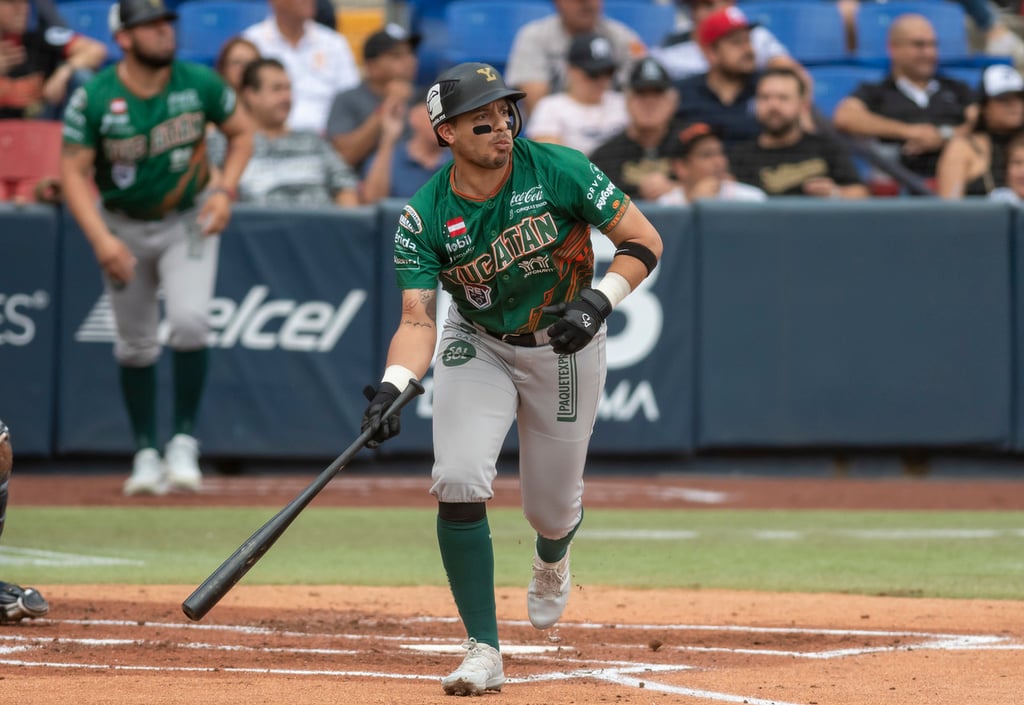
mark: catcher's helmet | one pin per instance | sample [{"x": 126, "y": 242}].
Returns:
[{"x": 467, "y": 87}]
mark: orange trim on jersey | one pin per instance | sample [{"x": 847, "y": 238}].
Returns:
[
  {"x": 481, "y": 199},
  {"x": 626, "y": 200}
]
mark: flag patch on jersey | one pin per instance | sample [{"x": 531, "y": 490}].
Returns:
[{"x": 456, "y": 227}]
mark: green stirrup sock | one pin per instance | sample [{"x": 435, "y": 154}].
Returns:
[
  {"x": 468, "y": 558},
  {"x": 553, "y": 550},
  {"x": 138, "y": 387},
  {"x": 189, "y": 377}
]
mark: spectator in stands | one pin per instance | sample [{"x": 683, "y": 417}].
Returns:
[
  {"x": 913, "y": 110},
  {"x": 724, "y": 96},
  {"x": 682, "y": 56},
  {"x": 1013, "y": 192},
  {"x": 319, "y": 60},
  {"x": 37, "y": 66},
  {"x": 701, "y": 170},
  {"x": 407, "y": 156},
  {"x": 975, "y": 164},
  {"x": 291, "y": 168},
  {"x": 356, "y": 115},
  {"x": 235, "y": 54},
  {"x": 588, "y": 112},
  {"x": 786, "y": 161},
  {"x": 639, "y": 154},
  {"x": 539, "y": 57}
]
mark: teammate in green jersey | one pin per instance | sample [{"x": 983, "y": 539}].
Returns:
[
  {"x": 141, "y": 124},
  {"x": 505, "y": 229}
]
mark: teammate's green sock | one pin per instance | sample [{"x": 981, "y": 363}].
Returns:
[
  {"x": 553, "y": 550},
  {"x": 138, "y": 386},
  {"x": 468, "y": 557},
  {"x": 189, "y": 378}
]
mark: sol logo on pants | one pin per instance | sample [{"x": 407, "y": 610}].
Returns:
[{"x": 457, "y": 353}]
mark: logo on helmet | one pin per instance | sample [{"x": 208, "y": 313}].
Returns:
[
  {"x": 488, "y": 73},
  {"x": 434, "y": 107}
]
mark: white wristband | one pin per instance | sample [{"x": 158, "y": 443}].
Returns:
[
  {"x": 398, "y": 376},
  {"x": 615, "y": 287}
]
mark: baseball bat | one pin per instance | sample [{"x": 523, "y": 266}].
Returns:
[{"x": 220, "y": 581}]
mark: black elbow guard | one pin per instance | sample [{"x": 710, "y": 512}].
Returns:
[{"x": 640, "y": 252}]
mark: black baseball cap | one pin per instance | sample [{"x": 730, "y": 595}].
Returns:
[
  {"x": 132, "y": 13},
  {"x": 592, "y": 53},
  {"x": 689, "y": 137},
  {"x": 382, "y": 41},
  {"x": 649, "y": 75}
]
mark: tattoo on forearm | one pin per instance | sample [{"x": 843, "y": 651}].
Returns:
[{"x": 428, "y": 298}]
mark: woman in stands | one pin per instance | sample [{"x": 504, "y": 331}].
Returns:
[
  {"x": 234, "y": 56},
  {"x": 975, "y": 165},
  {"x": 1013, "y": 192}
]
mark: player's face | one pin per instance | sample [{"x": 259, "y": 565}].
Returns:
[
  {"x": 1005, "y": 113},
  {"x": 13, "y": 16},
  {"x": 272, "y": 102},
  {"x": 649, "y": 110},
  {"x": 489, "y": 149},
  {"x": 1015, "y": 171},
  {"x": 778, "y": 104},
  {"x": 152, "y": 43},
  {"x": 706, "y": 159},
  {"x": 733, "y": 54}
]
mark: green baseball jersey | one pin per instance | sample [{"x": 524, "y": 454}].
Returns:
[
  {"x": 504, "y": 258},
  {"x": 150, "y": 153}
]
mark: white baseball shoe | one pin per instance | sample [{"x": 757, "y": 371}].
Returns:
[
  {"x": 182, "y": 458},
  {"x": 147, "y": 474},
  {"x": 480, "y": 671},
  {"x": 548, "y": 593}
]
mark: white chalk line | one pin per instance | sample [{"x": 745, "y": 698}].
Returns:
[
  {"x": 937, "y": 533},
  {"x": 12, "y": 555},
  {"x": 618, "y": 672}
]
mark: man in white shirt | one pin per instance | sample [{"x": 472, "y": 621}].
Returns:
[
  {"x": 589, "y": 112},
  {"x": 682, "y": 56},
  {"x": 539, "y": 56},
  {"x": 319, "y": 61}
]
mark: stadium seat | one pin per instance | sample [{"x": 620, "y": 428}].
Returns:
[
  {"x": 204, "y": 26},
  {"x": 91, "y": 18},
  {"x": 812, "y": 32},
  {"x": 971, "y": 75},
  {"x": 833, "y": 83},
  {"x": 29, "y": 158},
  {"x": 483, "y": 30},
  {"x": 874, "y": 18},
  {"x": 651, "y": 21}
]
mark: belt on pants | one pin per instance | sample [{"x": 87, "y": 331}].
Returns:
[{"x": 523, "y": 340}]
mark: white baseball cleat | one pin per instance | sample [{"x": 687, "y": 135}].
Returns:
[
  {"x": 548, "y": 593},
  {"x": 182, "y": 458},
  {"x": 147, "y": 474},
  {"x": 480, "y": 671}
]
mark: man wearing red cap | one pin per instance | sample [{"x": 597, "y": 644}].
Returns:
[{"x": 723, "y": 97}]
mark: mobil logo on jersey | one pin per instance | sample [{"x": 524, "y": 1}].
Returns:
[
  {"x": 18, "y": 312},
  {"x": 255, "y": 322}
]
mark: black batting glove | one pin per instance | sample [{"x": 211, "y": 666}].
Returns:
[
  {"x": 579, "y": 321},
  {"x": 380, "y": 401}
]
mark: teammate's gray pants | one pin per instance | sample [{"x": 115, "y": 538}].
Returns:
[
  {"x": 480, "y": 386},
  {"x": 173, "y": 254}
]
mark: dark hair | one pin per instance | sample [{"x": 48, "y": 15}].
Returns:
[
  {"x": 222, "y": 56},
  {"x": 251, "y": 74},
  {"x": 788, "y": 73}
]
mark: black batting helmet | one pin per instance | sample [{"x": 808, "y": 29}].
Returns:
[{"x": 467, "y": 87}]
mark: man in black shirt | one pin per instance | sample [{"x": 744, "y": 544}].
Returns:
[
  {"x": 913, "y": 110},
  {"x": 637, "y": 159},
  {"x": 786, "y": 161},
  {"x": 36, "y": 66}
]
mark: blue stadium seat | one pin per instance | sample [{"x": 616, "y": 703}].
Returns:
[
  {"x": 812, "y": 32},
  {"x": 971, "y": 75},
  {"x": 833, "y": 83},
  {"x": 651, "y": 21},
  {"x": 90, "y": 17},
  {"x": 483, "y": 30},
  {"x": 204, "y": 26},
  {"x": 874, "y": 18}
]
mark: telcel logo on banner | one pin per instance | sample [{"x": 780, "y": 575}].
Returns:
[
  {"x": 17, "y": 327},
  {"x": 255, "y": 322}
]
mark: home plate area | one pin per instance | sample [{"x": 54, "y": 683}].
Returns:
[{"x": 355, "y": 646}]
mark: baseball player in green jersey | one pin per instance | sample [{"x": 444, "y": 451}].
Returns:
[
  {"x": 140, "y": 126},
  {"x": 505, "y": 229}
]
